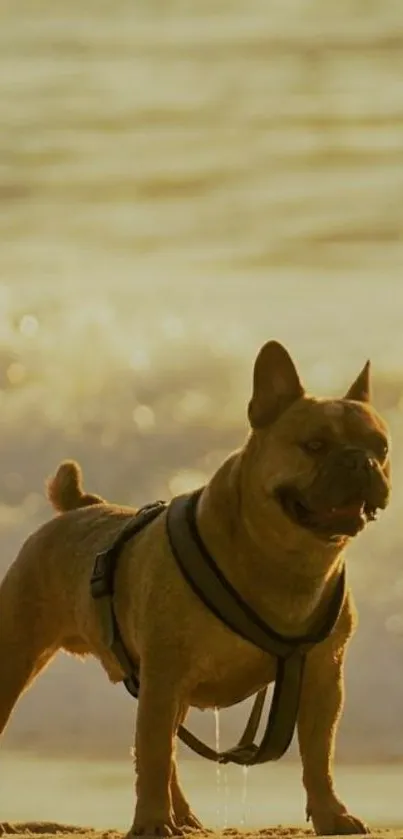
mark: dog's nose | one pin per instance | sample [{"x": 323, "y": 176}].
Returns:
[{"x": 356, "y": 460}]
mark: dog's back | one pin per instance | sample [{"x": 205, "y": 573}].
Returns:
[{"x": 42, "y": 593}]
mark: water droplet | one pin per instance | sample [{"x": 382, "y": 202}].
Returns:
[
  {"x": 218, "y": 767},
  {"x": 226, "y": 795},
  {"x": 245, "y": 770}
]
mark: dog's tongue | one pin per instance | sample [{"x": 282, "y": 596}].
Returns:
[{"x": 350, "y": 511}]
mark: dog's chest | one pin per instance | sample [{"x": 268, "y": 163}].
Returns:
[
  {"x": 226, "y": 669},
  {"x": 228, "y": 673}
]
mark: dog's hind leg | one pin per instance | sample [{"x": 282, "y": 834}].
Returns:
[{"x": 26, "y": 644}]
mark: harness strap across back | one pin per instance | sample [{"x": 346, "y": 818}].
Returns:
[{"x": 210, "y": 585}]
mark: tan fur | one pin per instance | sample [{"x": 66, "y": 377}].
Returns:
[
  {"x": 65, "y": 489},
  {"x": 188, "y": 657}
]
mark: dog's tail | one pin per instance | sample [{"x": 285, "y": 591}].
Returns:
[{"x": 65, "y": 490}]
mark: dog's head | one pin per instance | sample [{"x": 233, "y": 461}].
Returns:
[{"x": 319, "y": 465}]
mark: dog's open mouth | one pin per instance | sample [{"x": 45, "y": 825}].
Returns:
[{"x": 331, "y": 522}]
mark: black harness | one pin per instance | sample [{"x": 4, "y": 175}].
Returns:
[{"x": 216, "y": 592}]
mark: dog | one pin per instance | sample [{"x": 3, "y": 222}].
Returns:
[{"x": 277, "y": 517}]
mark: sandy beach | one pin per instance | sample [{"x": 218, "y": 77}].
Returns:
[{"x": 20, "y": 830}]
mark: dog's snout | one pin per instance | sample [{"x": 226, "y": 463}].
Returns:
[{"x": 357, "y": 460}]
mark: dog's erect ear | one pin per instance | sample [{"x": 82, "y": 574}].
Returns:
[
  {"x": 276, "y": 385},
  {"x": 360, "y": 390}
]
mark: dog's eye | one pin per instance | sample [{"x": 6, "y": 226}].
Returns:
[
  {"x": 381, "y": 448},
  {"x": 314, "y": 446}
]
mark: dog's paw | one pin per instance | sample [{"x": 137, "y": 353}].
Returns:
[
  {"x": 188, "y": 822},
  {"x": 328, "y": 823},
  {"x": 155, "y": 828}
]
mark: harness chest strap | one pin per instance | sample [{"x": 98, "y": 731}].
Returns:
[{"x": 207, "y": 581}]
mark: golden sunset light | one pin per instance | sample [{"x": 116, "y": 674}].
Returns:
[{"x": 181, "y": 182}]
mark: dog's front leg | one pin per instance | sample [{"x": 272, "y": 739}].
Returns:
[
  {"x": 158, "y": 713},
  {"x": 320, "y": 709},
  {"x": 184, "y": 817}
]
